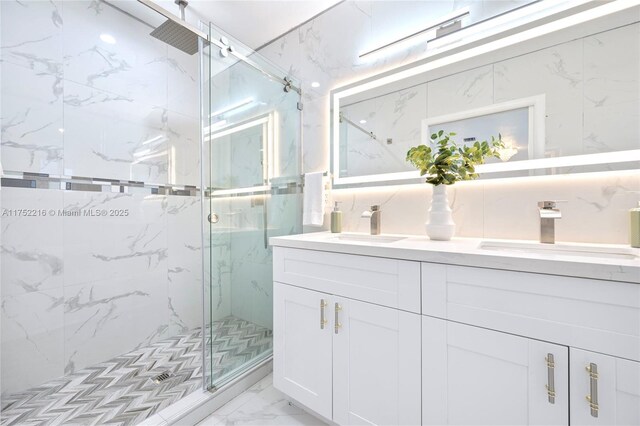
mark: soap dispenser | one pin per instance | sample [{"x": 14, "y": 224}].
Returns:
[
  {"x": 336, "y": 219},
  {"x": 634, "y": 226}
]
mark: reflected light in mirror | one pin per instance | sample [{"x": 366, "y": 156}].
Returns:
[
  {"x": 108, "y": 38},
  {"x": 232, "y": 107},
  {"x": 510, "y": 40},
  {"x": 510, "y": 149},
  {"x": 411, "y": 39}
]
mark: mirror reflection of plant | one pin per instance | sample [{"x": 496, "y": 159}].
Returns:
[{"x": 449, "y": 163}]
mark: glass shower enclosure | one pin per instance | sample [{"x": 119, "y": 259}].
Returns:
[{"x": 251, "y": 190}]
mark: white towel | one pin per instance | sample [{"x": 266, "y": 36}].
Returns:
[{"x": 314, "y": 199}]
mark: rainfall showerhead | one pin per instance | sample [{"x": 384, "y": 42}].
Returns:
[
  {"x": 176, "y": 31},
  {"x": 178, "y": 36}
]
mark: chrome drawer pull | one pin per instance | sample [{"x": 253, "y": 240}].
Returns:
[
  {"x": 337, "y": 322},
  {"x": 551, "y": 381},
  {"x": 323, "y": 321},
  {"x": 592, "y": 369}
]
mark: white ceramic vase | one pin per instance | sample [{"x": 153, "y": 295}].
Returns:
[{"x": 440, "y": 225}]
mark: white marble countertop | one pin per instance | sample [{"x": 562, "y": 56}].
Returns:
[{"x": 467, "y": 252}]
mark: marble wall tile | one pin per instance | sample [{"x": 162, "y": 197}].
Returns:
[
  {"x": 102, "y": 248},
  {"x": 614, "y": 127},
  {"x": 556, "y": 72},
  {"x": 252, "y": 278},
  {"x": 32, "y": 339},
  {"x": 184, "y": 261},
  {"x": 612, "y": 90},
  {"x": 495, "y": 208},
  {"x": 612, "y": 67},
  {"x": 218, "y": 267},
  {"x": 458, "y": 92},
  {"x": 316, "y": 129},
  {"x": 595, "y": 212},
  {"x": 103, "y": 319},
  {"x": 396, "y": 116},
  {"x": 183, "y": 133},
  {"x": 404, "y": 208},
  {"x": 32, "y": 246},
  {"x": 31, "y": 121},
  {"x": 134, "y": 149},
  {"x": 39, "y": 48},
  {"x": 183, "y": 83},
  {"x": 327, "y": 55},
  {"x": 135, "y": 66}
]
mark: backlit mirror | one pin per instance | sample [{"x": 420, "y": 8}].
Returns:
[
  {"x": 564, "y": 94},
  {"x": 247, "y": 145}
]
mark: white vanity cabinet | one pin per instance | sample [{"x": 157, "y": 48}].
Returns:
[
  {"x": 303, "y": 347},
  {"x": 351, "y": 361},
  {"x": 487, "y": 337},
  {"x": 407, "y": 333},
  {"x": 605, "y": 390},
  {"x": 475, "y": 376}
]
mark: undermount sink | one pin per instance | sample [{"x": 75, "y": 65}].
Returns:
[
  {"x": 585, "y": 250},
  {"x": 366, "y": 238}
]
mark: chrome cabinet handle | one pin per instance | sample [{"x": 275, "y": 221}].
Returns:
[
  {"x": 323, "y": 321},
  {"x": 592, "y": 369},
  {"x": 337, "y": 324},
  {"x": 551, "y": 380}
]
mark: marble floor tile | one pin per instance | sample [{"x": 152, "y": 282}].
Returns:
[{"x": 262, "y": 404}]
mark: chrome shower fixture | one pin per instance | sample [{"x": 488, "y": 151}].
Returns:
[{"x": 176, "y": 31}]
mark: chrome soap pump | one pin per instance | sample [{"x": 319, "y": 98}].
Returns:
[{"x": 336, "y": 219}]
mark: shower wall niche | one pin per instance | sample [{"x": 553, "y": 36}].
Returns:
[{"x": 96, "y": 116}]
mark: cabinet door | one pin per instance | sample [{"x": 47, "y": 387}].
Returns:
[
  {"x": 302, "y": 346},
  {"x": 604, "y": 390},
  {"x": 475, "y": 376},
  {"x": 376, "y": 365}
]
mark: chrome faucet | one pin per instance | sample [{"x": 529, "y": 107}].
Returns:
[
  {"x": 374, "y": 216},
  {"x": 548, "y": 215}
]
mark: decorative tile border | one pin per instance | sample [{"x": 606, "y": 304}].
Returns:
[{"x": 81, "y": 183}]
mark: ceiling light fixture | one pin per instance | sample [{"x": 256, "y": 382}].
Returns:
[
  {"x": 443, "y": 21},
  {"x": 363, "y": 121},
  {"x": 315, "y": 84},
  {"x": 108, "y": 38}
]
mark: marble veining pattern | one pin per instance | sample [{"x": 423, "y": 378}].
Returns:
[
  {"x": 120, "y": 391},
  {"x": 579, "y": 75},
  {"x": 64, "y": 89},
  {"x": 261, "y": 404}
]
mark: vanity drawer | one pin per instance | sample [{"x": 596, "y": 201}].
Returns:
[
  {"x": 387, "y": 282},
  {"x": 601, "y": 316}
]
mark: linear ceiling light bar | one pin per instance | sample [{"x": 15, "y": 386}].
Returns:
[{"x": 447, "y": 19}]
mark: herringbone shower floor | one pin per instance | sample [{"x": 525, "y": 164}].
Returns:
[{"x": 120, "y": 391}]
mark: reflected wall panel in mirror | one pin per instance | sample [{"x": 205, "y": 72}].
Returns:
[{"x": 584, "y": 71}]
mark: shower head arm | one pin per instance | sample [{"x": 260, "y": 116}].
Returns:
[{"x": 183, "y": 5}]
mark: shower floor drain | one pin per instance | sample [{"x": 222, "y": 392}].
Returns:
[{"x": 162, "y": 377}]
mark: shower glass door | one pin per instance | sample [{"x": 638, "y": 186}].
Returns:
[{"x": 251, "y": 191}]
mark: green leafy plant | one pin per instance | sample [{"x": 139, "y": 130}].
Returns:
[{"x": 448, "y": 163}]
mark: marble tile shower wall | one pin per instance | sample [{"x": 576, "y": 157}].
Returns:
[
  {"x": 580, "y": 75},
  {"x": 79, "y": 290}
]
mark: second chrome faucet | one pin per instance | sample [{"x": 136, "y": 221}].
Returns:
[
  {"x": 374, "y": 217},
  {"x": 549, "y": 212}
]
